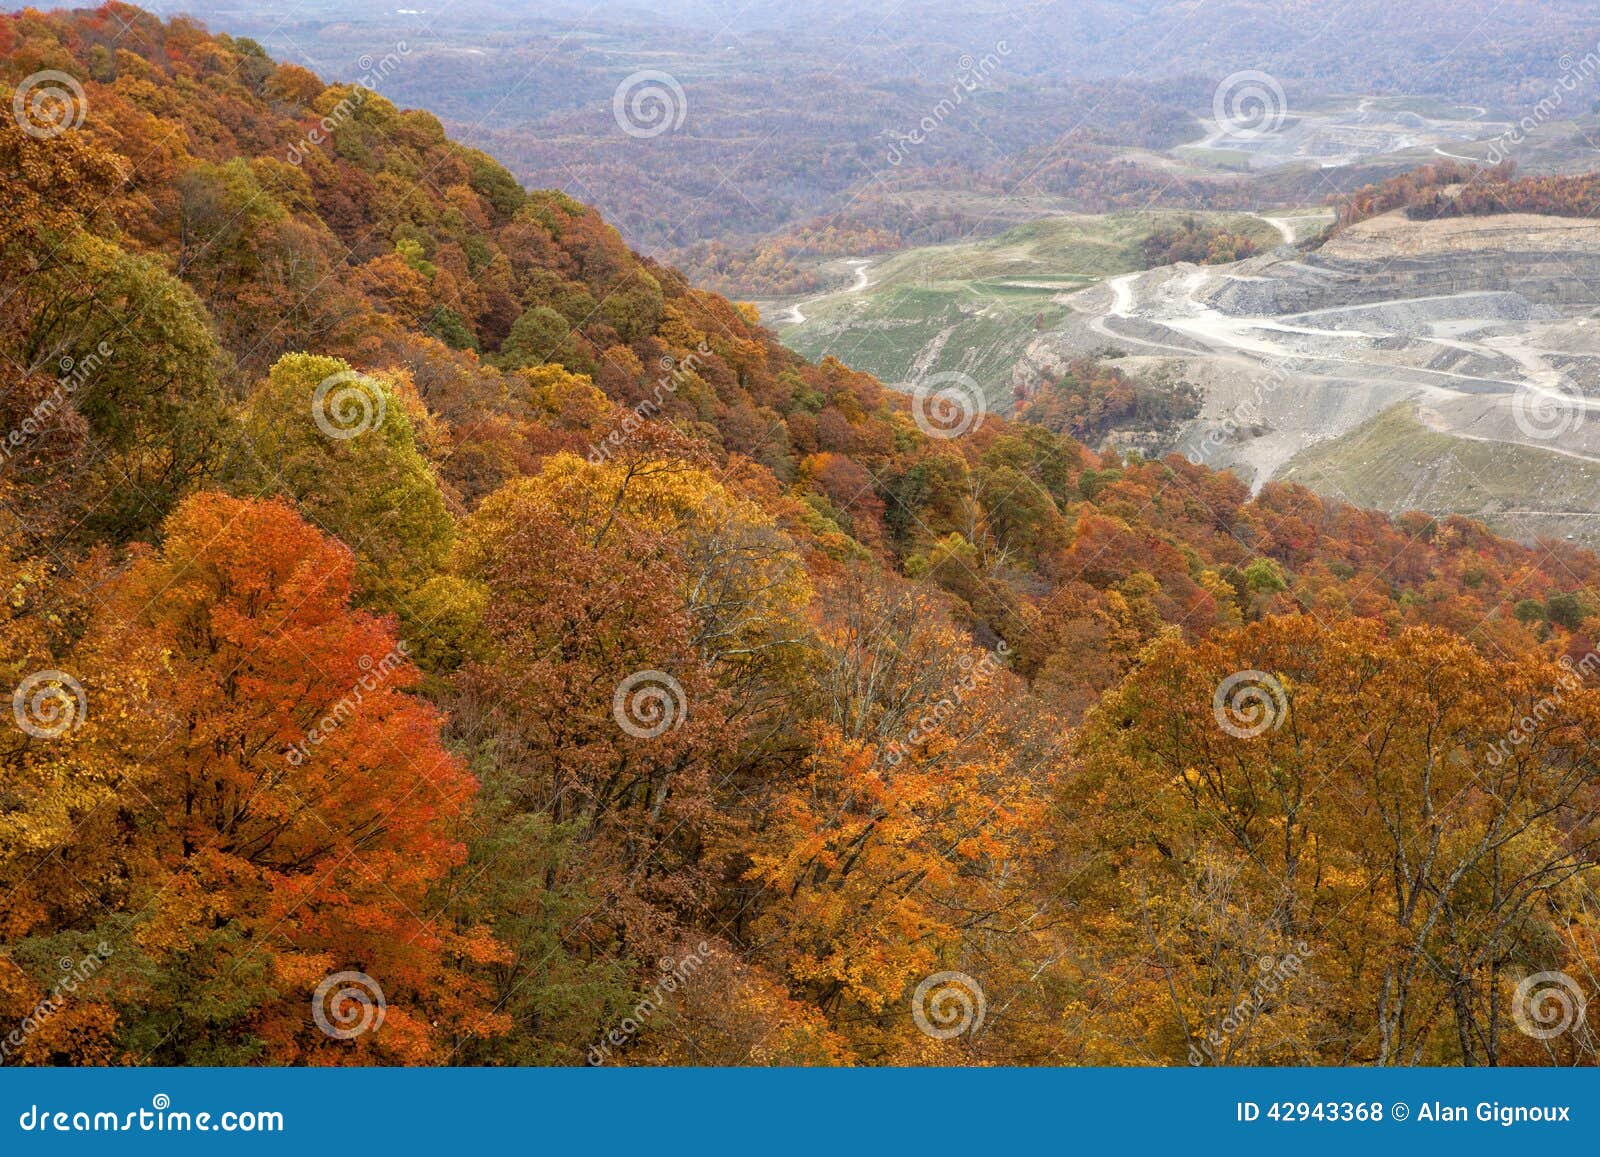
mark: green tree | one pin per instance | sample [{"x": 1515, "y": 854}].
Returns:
[
  {"x": 343, "y": 446},
  {"x": 133, "y": 354}
]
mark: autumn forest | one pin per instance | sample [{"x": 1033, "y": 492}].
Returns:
[{"x": 437, "y": 634}]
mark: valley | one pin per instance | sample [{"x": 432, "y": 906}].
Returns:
[
  {"x": 1333, "y": 133},
  {"x": 977, "y": 306},
  {"x": 789, "y": 149}
]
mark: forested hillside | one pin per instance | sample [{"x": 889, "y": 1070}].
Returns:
[
  {"x": 1451, "y": 189},
  {"x": 439, "y": 635}
]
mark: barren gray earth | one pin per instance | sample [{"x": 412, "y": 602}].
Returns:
[{"x": 1436, "y": 365}]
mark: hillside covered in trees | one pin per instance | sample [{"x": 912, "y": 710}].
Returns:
[
  {"x": 416, "y": 598},
  {"x": 1452, "y": 189}
]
